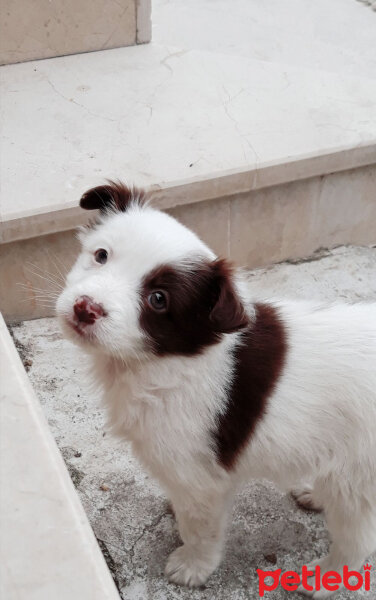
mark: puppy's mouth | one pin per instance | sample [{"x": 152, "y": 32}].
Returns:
[{"x": 83, "y": 329}]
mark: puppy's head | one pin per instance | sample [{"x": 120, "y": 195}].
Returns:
[{"x": 144, "y": 284}]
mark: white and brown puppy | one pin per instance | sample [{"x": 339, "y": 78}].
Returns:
[{"x": 213, "y": 389}]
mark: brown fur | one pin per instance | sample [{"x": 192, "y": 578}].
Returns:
[
  {"x": 259, "y": 362},
  {"x": 113, "y": 196},
  {"x": 202, "y": 306}
]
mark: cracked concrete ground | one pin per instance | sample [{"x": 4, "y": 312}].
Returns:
[{"x": 130, "y": 516}]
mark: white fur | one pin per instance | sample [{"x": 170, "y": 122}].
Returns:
[{"x": 320, "y": 424}]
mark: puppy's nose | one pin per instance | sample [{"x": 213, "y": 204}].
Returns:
[{"x": 86, "y": 310}]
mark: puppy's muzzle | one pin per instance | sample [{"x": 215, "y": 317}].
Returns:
[{"x": 87, "y": 311}]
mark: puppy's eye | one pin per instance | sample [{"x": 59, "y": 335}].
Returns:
[
  {"x": 101, "y": 256},
  {"x": 158, "y": 300}
]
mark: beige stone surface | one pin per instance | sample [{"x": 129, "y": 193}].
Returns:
[
  {"x": 42, "y": 29},
  {"x": 32, "y": 272},
  {"x": 329, "y": 35},
  {"x": 210, "y": 220},
  {"x": 47, "y": 548},
  {"x": 143, "y": 8},
  {"x": 295, "y": 219},
  {"x": 347, "y": 207}
]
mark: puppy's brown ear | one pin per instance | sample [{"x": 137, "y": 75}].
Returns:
[
  {"x": 228, "y": 314},
  {"x": 113, "y": 196}
]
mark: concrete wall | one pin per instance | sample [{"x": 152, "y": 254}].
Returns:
[{"x": 47, "y": 28}]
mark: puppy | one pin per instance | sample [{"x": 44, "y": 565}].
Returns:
[{"x": 212, "y": 388}]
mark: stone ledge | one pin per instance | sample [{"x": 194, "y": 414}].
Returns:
[
  {"x": 64, "y": 217},
  {"x": 48, "y": 547}
]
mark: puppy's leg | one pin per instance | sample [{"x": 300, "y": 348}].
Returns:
[
  {"x": 351, "y": 520},
  {"x": 304, "y": 496},
  {"x": 202, "y": 523}
]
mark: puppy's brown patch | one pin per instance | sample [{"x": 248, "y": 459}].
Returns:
[
  {"x": 114, "y": 196},
  {"x": 202, "y": 306},
  {"x": 259, "y": 361}
]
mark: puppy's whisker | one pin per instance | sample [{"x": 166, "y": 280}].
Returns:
[
  {"x": 54, "y": 257},
  {"x": 45, "y": 276},
  {"x": 35, "y": 291},
  {"x": 43, "y": 271}
]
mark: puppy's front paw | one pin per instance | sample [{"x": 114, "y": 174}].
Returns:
[
  {"x": 303, "y": 496},
  {"x": 185, "y": 567}
]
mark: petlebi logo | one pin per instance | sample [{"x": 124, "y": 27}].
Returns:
[{"x": 330, "y": 580}]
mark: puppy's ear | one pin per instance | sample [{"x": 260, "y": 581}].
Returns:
[
  {"x": 113, "y": 196},
  {"x": 227, "y": 314}
]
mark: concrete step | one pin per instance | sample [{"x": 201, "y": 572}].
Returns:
[{"x": 47, "y": 549}]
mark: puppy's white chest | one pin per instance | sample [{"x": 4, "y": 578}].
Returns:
[
  {"x": 164, "y": 415},
  {"x": 132, "y": 406}
]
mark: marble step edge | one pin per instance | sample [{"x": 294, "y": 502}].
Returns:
[
  {"x": 20, "y": 409},
  {"x": 65, "y": 216}
]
